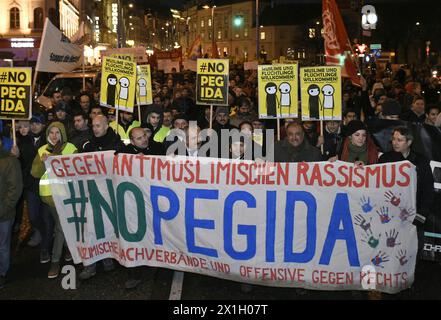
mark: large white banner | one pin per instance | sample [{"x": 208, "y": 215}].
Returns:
[
  {"x": 57, "y": 53},
  {"x": 325, "y": 226}
]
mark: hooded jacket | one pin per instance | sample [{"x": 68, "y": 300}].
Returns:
[{"x": 63, "y": 147}]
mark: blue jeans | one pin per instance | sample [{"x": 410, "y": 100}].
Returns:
[
  {"x": 5, "y": 245},
  {"x": 41, "y": 219}
]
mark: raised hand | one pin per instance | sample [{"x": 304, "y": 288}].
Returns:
[
  {"x": 380, "y": 258},
  {"x": 383, "y": 213},
  {"x": 390, "y": 197},
  {"x": 366, "y": 204},
  {"x": 391, "y": 238},
  {"x": 360, "y": 221}
]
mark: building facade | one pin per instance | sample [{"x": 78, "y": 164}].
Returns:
[
  {"x": 22, "y": 26},
  {"x": 233, "y": 27}
]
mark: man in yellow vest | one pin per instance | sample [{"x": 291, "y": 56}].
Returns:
[
  {"x": 155, "y": 124},
  {"x": 57, "y": 145},
  {"x": 124, "y": 125}
]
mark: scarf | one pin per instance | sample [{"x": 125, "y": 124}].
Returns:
[{"x": 357, "y": 153}]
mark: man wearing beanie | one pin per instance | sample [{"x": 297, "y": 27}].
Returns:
[{"x": 381, "y": 128}]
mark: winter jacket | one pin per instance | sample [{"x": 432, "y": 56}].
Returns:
[
  {"x": 372, "y": 151},
  {"x": 110, "y": 141},
  {"x": 425, "y": 192},
  {"x": 38, "y": 167},
  {"x": 11, "y": 185},
  {"x": 286, "y": 152}
]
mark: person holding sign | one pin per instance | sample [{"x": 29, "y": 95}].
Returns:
[
  {"x": 126, "y": 122},
  {"x": 295, "y": 148},
  {"x": 104, "y": 138},
  {"x": 358, "y": 147},
  {"x": 56, "y": 137},
  {"x": 402, "y": 139}
]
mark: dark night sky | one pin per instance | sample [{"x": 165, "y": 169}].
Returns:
[{"x": 179, "y": 3}]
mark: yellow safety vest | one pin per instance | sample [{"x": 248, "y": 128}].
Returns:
[
  {"x": 45, "y": 189},
  {"x": 161, "y": 134},
  {"x": 120, "y": 130}
]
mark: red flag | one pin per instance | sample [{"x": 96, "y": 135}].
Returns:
[
  {"x": 338, "y": 49},
  {"x": 195, "y": 49}
]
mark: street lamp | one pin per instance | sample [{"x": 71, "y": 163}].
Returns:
[{"x": 369, "y": 17}]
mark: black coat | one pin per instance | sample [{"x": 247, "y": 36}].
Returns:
[
  {"x": 28, "y": 146},
  {"x": 79, "y": 138},
  {"x": 286, "y": 152},
  {"x": 425, "y": 193},
  {"x": 110, "y": 141},
  {"x": 154, "y": 148}
]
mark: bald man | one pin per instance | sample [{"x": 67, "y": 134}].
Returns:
[
  {"x": 140, "y": 143},
  {"x": 104, "y": 138}
]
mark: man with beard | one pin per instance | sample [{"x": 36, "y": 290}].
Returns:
[
  {"x": 243, "y": 112},
  {"x": 82, "y": 131}
]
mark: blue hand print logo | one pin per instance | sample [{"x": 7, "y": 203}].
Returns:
[
  {"x": 379, "y": 259},
  {"x": 366, "y": 204}
]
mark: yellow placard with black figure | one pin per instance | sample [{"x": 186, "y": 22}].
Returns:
[
  {"x": 15, "y": 93},
  {"x": 278, "y": 91},
  {"x": 321, "y": 93},
  {"x": 212, "y": 82},
  {"x": 118, "y": 84},
  {"x": 144, "y": 85}
]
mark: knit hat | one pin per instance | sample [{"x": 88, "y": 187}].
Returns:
[
  {"x": 221, "y": 110},
  {"x": 354, "y": 126},
  {"x": 38, "y": 118},
  {"x": 391, "y": 107},
  {"x": 61, "y": 106}
]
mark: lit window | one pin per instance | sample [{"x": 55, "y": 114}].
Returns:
[
  {"x": 262, "y": 36},
  {"x": 209, "y": 22},
  {"x": 245, "y": 32},
  {"x": 202, "y": 23},
  {"x": 219, "y": 35},
  {"x": 38, "y": 18},
  {"x": 14, "y": 18},
  {"x": 237, "y": 35},
  {"x": 311, "y": 33}
]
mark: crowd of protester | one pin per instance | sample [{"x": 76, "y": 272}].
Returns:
[{"x": 388, "y": 119}]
